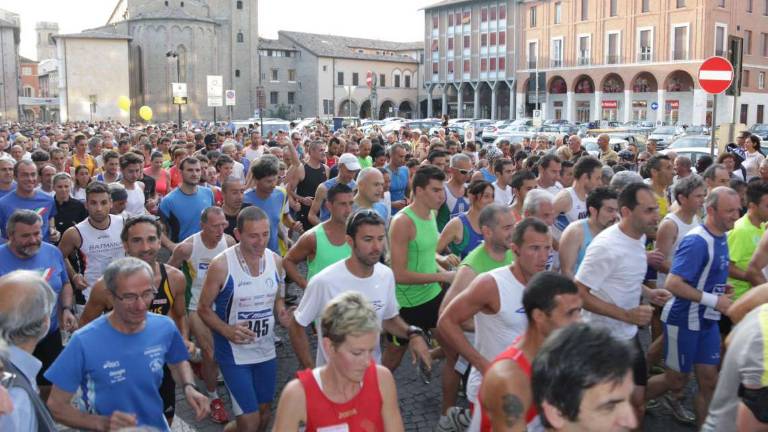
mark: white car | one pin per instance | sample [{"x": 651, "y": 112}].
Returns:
[{"x": 590, "y": 144}]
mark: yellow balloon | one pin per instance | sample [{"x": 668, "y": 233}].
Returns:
[
  {"x": 124, "y": 103},
  {"x": 145, "y": 113}
]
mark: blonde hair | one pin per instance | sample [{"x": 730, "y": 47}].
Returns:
[{"x": 348, "y": 314}]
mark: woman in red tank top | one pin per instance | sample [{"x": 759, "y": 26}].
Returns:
[{"x": 351, "y": 393}]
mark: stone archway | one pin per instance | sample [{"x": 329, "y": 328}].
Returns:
[
  {"x": 467, "y": 101},
  {"x": 644, "y": 88},
  {"x": 557, "y": 98},
  {"x": 584, "y": 90},
  {"x": 678, "y": 100},
  {"x": 387, "y": 109},
  {"x": 346, "y": 109},
  {"x": 365, "y": 109},
  {"x": 405, "y": 109}
]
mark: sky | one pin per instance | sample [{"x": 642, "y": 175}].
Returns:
[{"x": 395, "y": 20}]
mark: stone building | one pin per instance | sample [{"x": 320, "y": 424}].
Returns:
[
  {"x": 9, "y": 66},
  {"x": 30, "y": 88},
  {"x": 46, "y": 46}
]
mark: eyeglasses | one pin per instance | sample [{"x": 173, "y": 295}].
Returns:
[
  {"x": 131, "y": 298},
  {"x": 642, "y": 160},
  {"x": 465, "y": 171},
  {"x": 6, "y": 379}
]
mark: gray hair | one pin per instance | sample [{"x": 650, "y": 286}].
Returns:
[
  {"x": 208, "y": 211},
  {"x": 488, "y": 214},
  {"x": 346, "y": 315},
  {"x": 711, "y": 171},
  {"x": 29, "y": 318},
  {"x": 714, "y": 196},
  {"x": 60, "y": 176},
  {"x": 459, "y": 157},
  {"x": 250, "y": 214},
  {"x": 622, "y": 179},
  {"x": 684, "y": 161},
  {"x": 533, "y": 201},
  {"x": 686, "y": 186},
  {"x": 27, "y": 217},
  {"x": 124, "y": 267},
  {"x": 607, "y": 174}
]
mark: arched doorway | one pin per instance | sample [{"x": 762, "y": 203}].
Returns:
[
  {"x": 584, "y": 90},
  {"x": 451, "y": 99},
  {"x": 678, "y": 100},
  {"x": 611, "y": 105},
  {"x": 365, "y": 109},
  {"x": 644, "y": 94},
  {"x": 468, "y": 101},
  {"x": 347, "y": 109},
  {"x": 387, "y": 109},
  {"x": 557, "y": 97},
  {"x": 405, "y": 110},
  {"x": 484, "y": 109},
  {"x": 503, "y": 93}
]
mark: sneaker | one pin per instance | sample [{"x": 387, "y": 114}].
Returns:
[
  {"x": 457, "y": 419},
  {"x": 679, "y": 411},
  {"x": 218, "y": 412}
]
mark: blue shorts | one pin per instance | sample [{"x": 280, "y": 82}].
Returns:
[
  {"x": 250, "y": 385},
  {"x": 684, "y": 348}
]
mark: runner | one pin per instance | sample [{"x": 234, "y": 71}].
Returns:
[
  {"x": 232, "y": 191},
  {"x": 96, "y": 239},
  {"x": 370, "y": 192},
  {"x": 581, "y": 379},
  {"x": 494, "y": 302},
  {"x": 549, "y": 174},
  {"x": 603, "y": 212},
  {"x": 570, "y": 203},
  {"x": 26, "y": 197},
  {"x": 456, "y": 200},
  {"x": 611, "y": 275},
  {"x": 180, "y": 210},
  {"x": 522, "y": 182},
  {"x": 105, "y": 361},
  {"x": 245, "y": 285},
  {"x": 324, "y": 244},
  {"x": 351, "y": 392},
  {"x": 110, "y": 172},
  {"x": 193, "y": 256},
  {"x": 462, "y": 234},
  {"x": 362, "y": 271},
  {"x": 348, "y": 169},
  {"x": 308, "y": 177},
  {"x": 505, "y": 170},
  {"x": 413, "y": 242},
  {"x": 698, "y": 279},
  {"x": 400, "y": 177},
  {"x": 550, "y": 301},
  {"x": 538, "y": 204},
  {"x": 743, "y": 240},
  {"x": 131, "y": 168}
]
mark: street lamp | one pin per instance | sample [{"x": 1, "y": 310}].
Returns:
[
  {"x": 174, "y": 55},
  {"x": 350, "y": 89}
]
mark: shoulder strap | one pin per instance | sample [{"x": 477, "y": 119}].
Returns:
[{"x": 45, "y": 422}]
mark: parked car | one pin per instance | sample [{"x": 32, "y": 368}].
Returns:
[
  {"x": 423, "y": 126},
  {"x": 759, "y": 129},
  {"x": 664, "y": 135},
  {"x": 690, "y": 141},
  {"x": 696, "y": 130},
  {"x": 590, "y": 144},
  {"x": 692, "y": 153}
]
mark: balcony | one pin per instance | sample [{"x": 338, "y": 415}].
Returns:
[
  {"x": 612, "y": 59},
  {"x": 583, "y": 61},
  {"x": 556, "y": 63},
  {"x": 645, "y": 56},
  {"x": 679, "y": 55}
]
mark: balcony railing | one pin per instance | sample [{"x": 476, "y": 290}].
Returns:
[
  {"x": 583, "y": 61},
  {"x": 532, "y": 64},
  {"x": 644, "y": 56},
  {"x": 679, "y": 55},
  {"x": 612, "y": 59},
  {"x": 556, "y": 63}
]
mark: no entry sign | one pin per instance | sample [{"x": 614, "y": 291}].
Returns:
[{"x": 715, "y": 75}]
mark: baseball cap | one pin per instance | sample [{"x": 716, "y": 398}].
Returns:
[{"x": 350, "y": 161}]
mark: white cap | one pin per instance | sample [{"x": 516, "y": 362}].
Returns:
[{"x": 350, "y": 161}]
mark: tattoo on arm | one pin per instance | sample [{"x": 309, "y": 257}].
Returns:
[{"x": 512, "y": 408}]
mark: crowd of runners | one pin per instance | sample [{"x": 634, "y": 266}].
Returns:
[{"x": 144, "y": 261}]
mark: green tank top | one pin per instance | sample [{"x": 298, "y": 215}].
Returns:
[
  {"x": 480, "y": 262},
  {"x": 421, "y": 259},
  {"x": 331, "y": 254}
]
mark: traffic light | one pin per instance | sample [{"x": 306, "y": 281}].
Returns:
[{"x": 735, "y": 51}]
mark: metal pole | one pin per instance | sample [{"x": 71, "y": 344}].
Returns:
[
  {"x": 714, "y": 126},
  {"x": 178, "y": 77},
  {"x": 350, "y": 101},
  {"x": 214, "y": 115}
]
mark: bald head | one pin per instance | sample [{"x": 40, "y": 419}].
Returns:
[
  {"x": 370, "y": 184},
  {"x": 25, "y": 308}
]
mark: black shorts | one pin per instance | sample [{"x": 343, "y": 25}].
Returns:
[
  {"x": 168, "y": 393},
  {"x": 46, "y": 351},
  {"x": 639, "y": 366},
  {"x": 424, "y": 315},
  {"x": 725, "y": 325}
]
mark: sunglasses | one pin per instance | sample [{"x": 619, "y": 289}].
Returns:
[
  {"x": 465, "y": 171},
  {"x": 360, "y": 216}
]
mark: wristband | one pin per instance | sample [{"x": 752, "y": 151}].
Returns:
[
  {"x": 190, "y": 385},
  {"x": 709, "y": 300},
  {"x": 69, "y": 308}
]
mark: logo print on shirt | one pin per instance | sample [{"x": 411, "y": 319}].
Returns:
[
  {"x": 41, "y": 211},
  {"x": 46, "y": 273}
]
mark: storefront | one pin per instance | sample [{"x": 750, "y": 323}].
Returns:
[
  {"x": 610, "y": 110},
  {"x": 583, "y": 111},
  {"x": 672, "y": 111},
  {"x": 557, "y": 107},
  {"x": 639, "y": 110}
]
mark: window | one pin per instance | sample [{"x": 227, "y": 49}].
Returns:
[
  {"x": 584, "y": 10},
  {"x": 761, "y": 80},
  {"x": 237, "y": 73},
  {"x": 450, "y": 43},
  {"x": 239, "y": 4},
  {"x": 26, "y": 71},
  {"x": 645, "y": 6},
  {"x": 240, "y": 37},
  {"x": 397, "y": 80},
  {"x": 764, "y": 37},
  {"x": 680, "y": 42},
  {"x": 483, "y": 15},
  {"x": 749, "y": 6},
  {"x": 533, "y": 50},
  {"x": 584, "y": 54},
  {"x": 484, "y": 39},
  {"x": 744, "y": 113},
  {"x": 291, "y": 98},
  {"x": 450, "y": 20},
  {"x": 354, "y": 78},
  {"x": 383, "y": 78},
  {"x": 721, "y": 3},
  {"x": 557, "y": 52},
  {"x": 327, "y": 106},
  {"x": 466, "y": 42},
  {"x": 765, "y": 7},
  {"x": 274, "y": 76},
  {"x": 492, "y": 13},
  {"x": 558, "y": 12},
  {"x": 760, "y": 112},
  {"x": 434, "y": 72},
  {"x": 502, "y": 63},
  {"x": 680, "y": 3},
  {"x": 466, "y": 66},
  {"x": 502, "y": 38},
  {"x": 613, "y": 49},
  {"x": 614, "y": 6},
  {"x": 407, "y": 79},
  {"x": 503, "y": 12},
  {"x": 340, "y": 78},
  {"x": 483, "y": 65},
  {"x": 745, "y": 78},
  {"x": 493, "y": 64},
  {"x": 532, "y": 14},
  {"x": 273, "y": 98},
  {"x": 450, "y": 67},
  {"x": 493, "y": 39},
  {"x": 748, "y": 42},
  {"x": 291, "y": 74},
  {"x": 720, "y": 32},
  {"x": 466, "y": 18},
  {"x": 27, "y": 92},
  {"x": 434, "y": 21},
  {"x": 645, "y": 50}
]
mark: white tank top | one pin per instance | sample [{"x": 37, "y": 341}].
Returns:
[
  {"x": 135, "y": 204},
  {"x": 682, "y": 230},
  {"x": 99, "y": 248},
  {"x": 197, "y": 265},
  {"x": 252, "y": 300},
  {"x": 578, "y": 211},
  {"x": 495, "y": 332},
  {"x": 456, "y": 205}
]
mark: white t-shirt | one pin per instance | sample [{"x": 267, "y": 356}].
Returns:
[
  {"x": 502, "y": 196},
  {"x": 252, "y": 154},
  {"x": 238, "y": 171},
  {"x": 554, "y": 189},
  {"x": 613, "y": 268},
  {"x": 378, "y": 289}
]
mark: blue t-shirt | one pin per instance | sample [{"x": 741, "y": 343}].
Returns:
[
  {"x": 125, "y": 377},
  {"x": 40, "y": 203},
  {"x": 273, "y": 207},
  {"x": 181, "y": 212},
  {"x": 701, "y": 260},
  {"x": 48, "y": 262},
  {"x": 6, "y": 192},
  {"x": 398, "y": 184}
]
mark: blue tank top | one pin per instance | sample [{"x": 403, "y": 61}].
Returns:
[
  {"x": 586, "y": 240},
  {"x": 470, "y": 238},
  {"x": 324, "y": 213},
  {"x": 398, "y": 184},
  {"x": 487, "y": 176}
]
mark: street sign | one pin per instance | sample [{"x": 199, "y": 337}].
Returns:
[
  {"x": 536, "y": 114},
  {"x": 179, "y": 90},
  {"x": 230, "y": 97},
  {"x": 715, "y": 75},
  {"x": 369, "y": 79},
  {"x": 215, "y": 90},
  {"x": 654, "y": 106},
  {"x": 610, "y": 104},
  {"x": 178, "y": 100},
  {"x": 469, "y": 134}
]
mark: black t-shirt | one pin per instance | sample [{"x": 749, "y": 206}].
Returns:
[
  {"x": 232, "y": 222},
  {"x": 149, "y": 186},
  {"x": 69, "y": 213}
]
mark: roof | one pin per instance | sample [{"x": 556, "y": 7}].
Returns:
[
  {"x": 23, "y": 59},
  {"x": 276, "y": 44},
  {"x": 169, "y": 13},
  {"x": 346, "y": 47},
  {"x": 445, "y": 3},
  {"x": 92, "y": 35}
]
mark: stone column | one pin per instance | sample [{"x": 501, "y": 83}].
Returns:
[
  {"x": 476, "y": 108},
  {"x": 445, "y": 101},
  {"x": 493, "y": 102},
  {"x": 596, "y": 110},
  {"x": 660, "y": 101},
  {"x": 520, "y": 105},
  {"x": 627, "y": 105},
  {"x": 570, "y": 113},
  {"x": 429, "y": 102},
  {"x": 460, "y": 103}
]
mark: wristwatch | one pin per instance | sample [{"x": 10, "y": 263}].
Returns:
[
  {"x": 184, "y": 387},
  {"x": 415, "y": 331},
  {"x": 69, "y": 308}
]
